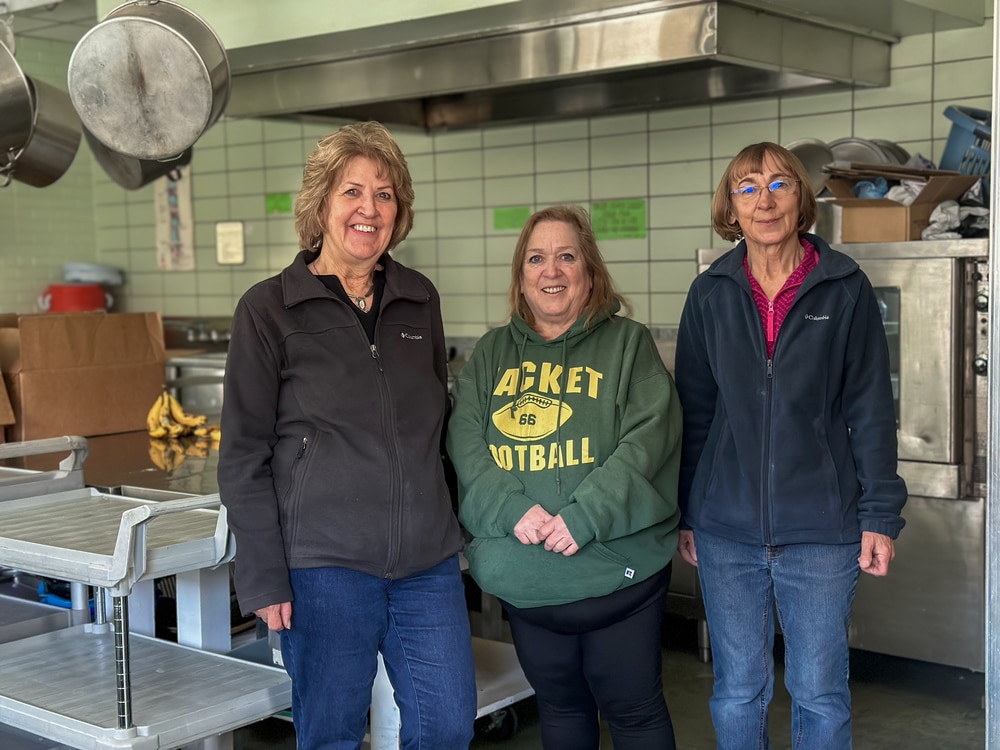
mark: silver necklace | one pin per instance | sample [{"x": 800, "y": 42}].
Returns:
[{"x": 360, "y": 301}]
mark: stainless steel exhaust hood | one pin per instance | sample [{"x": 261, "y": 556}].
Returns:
[{"x": 536, "y": 60}]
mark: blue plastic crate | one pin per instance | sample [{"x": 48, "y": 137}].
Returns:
[
  {"x": 47, "y": 594},
  {"x": 968, "y": 147}
]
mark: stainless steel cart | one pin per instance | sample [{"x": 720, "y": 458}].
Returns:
[
  {"x": 97, "y": 686},
  {"x": 22, "y": 617},
  {"x": 17, "y": 482}
]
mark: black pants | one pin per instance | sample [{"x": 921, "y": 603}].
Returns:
[{"x": 598, "y": 656}]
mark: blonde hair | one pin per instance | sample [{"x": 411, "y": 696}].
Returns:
[
  {"x": 747, "y": 161},
  {"x": 602, "y": 292},
  {"x": 324, "y": 165}
]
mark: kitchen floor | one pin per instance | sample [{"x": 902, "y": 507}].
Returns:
[{"x": 899, "y": 704}]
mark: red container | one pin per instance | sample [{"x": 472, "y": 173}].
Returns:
[{"x": 61, "y": 298}]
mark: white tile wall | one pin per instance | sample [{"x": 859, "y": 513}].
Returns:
[{"x": 669, "y": 158}]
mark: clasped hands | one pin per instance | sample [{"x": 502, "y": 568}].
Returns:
[{"x": 538, "y": 526}]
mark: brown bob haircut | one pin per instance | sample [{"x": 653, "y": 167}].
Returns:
[
  {"x": 324, "y": 166},
  {"x": 603, "y": 290},
  {"x": 748, "y": 161}
]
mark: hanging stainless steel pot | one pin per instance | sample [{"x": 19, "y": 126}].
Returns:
[
  {"x": 15, "y": 103},
  {"x": 149, "y": 79},
  {"x": 55, "y": 137},
  {"x": 129, "y": 172}
]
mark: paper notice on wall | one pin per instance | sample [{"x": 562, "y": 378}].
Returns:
[{"x": 174, "y": 221}]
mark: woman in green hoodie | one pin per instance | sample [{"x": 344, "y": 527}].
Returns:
[{"x": 566, "y": 437}]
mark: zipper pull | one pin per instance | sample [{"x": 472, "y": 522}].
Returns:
[
  {"x": 770, "y": 368},
  {"x": 374, "y": 351},
  {"x": 302, "y": 448}
]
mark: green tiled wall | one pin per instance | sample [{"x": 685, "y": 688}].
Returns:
[
  {"x": 669, "y": 158},
  {"x": 42, "y": 228}
]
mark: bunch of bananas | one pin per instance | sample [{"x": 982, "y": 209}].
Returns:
[
  {"x": 169, "y": 453},
  {"x": 175, "y": 435},
  {"x": 167, "y": 419}
]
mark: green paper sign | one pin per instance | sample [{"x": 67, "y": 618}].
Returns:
[
  {"x": 511, "y": 218},
  {"x": 619, "y": 220},
  {"x": 279, "y": 203}
]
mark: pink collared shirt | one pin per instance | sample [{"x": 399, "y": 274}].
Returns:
[{"x": 772, "y": 312}]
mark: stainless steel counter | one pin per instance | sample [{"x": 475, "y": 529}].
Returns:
[{"x": 123, "y": 459}]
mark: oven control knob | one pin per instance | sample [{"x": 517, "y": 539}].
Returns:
[
  {"x": 981, "y": 302},
  {"x": 979, "y": 365}
]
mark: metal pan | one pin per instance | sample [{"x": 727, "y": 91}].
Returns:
[
  {"x": 149, "y": 79},
  {"x": 859, "y": 150},
  {"x": 129, "y": 172},
  {"x": 15, "y": 103},
  {"x": 894, "y": 151},
  {"x": 55, "y": 137},
  {"x": 814, "y": 155}
]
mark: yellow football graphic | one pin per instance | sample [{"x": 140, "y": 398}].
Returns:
[{"x": 531, "y": 417}]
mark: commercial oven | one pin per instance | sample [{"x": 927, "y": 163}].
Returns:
[{"x": 934, "y": 301}]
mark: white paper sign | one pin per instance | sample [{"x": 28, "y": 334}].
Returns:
[{"x": 229, "y": 243}]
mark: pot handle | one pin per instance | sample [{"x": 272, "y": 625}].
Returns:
[
  {"x": 6, "y": 171},
  {"x": 109, "y": 301},
  {"x": 44, "y": 302}
]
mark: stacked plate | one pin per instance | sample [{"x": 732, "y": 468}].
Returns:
[
  {"x": 874, "y": 151},
  {"x": 816, "y": 154}
]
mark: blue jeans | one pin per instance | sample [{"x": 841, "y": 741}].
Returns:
[
  {"x": 812, "y": 588},
  {"x": 341, "y": 619}
]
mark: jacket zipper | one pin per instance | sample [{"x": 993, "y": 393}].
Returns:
[
  {"x": 295, "y": 490},
  {"x": 395, "y": 503},
  {"x": 765, "y": 475},
  {"x": 770, "y": 323},
  {"x": 767, "y": 507}
]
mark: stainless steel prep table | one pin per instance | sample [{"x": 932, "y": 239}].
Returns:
[{"x": 123, "y": 459}]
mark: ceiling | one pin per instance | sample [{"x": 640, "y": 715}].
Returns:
[
  {"x": 541, "y": 59},
  {"x": 60, "y": 21}
]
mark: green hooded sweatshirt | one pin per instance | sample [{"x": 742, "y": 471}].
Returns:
[{"x": 587, "y": 425}]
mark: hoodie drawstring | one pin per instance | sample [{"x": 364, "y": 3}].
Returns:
[
  {"x": 562, "y": 373},
  {"x": 513, "y": 406}
]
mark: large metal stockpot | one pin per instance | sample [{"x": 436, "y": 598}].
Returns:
[
  {"x": 149, "y": 79},
  {"x": 55, "y": 137},
  {"x": 129, "y": 172},
  {"x": 15, "y": 103}
]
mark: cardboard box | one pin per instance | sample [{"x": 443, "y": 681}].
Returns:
[
  {"x": 6, "y": 411},
  {"x": 81, "y": 373},
  {"x": 884, "y": 220}
]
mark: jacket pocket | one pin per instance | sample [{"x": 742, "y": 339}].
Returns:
[{"x": 291, "y": 502}]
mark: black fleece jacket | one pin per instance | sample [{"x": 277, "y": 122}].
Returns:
[{"x": 331, "y": 447}]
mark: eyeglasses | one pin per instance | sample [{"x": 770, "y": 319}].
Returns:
[{"x": 777, "y": 188}]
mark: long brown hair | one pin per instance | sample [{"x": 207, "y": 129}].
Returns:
[
  {"x": 371, "y": 140},
  {"x": 747, "y": 161},
  {"x": 602, "y": 292}
]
